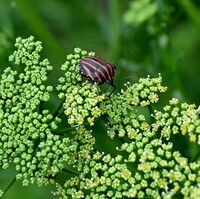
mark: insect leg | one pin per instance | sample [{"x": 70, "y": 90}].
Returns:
[
  {"x": 112, "y": 90},
  {"x": 86, "y": 83}
]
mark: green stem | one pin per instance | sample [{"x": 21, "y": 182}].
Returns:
[
  {"x": 64, "y": 131},
  {"x": 9, "y": 185},
  {"x": 151, "y": 113},
  {"x": 41, "y": 107},
  {"x": 58, "y": 109},
  {"x": 197, "y": 157},
  {"x": 71, "y": 171},
  {"x": 105, "y": 119}
]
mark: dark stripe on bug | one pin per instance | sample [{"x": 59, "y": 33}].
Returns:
[
  {"x": 112, "y": 68},
  {"x": 102, "y": 65},
  {"x": 98, "y": 64},
  {"x": 87, "y": 71},
  {"x": 101, "y": 75},
  {"x": 98, "y": 69},
  {"x": 92, "y": 75}
]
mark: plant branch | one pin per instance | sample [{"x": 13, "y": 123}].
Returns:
[
  {"x": 151, "y": 113},
  {"x": 71, "y": 171},
  {"x": 9, "y": 185},
  {"x": 56, "y": 113}
]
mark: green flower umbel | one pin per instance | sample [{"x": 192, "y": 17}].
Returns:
[{"x": 25, "y": 127}]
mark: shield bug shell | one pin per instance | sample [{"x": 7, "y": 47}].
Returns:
[{"x": 98, "y": 69}]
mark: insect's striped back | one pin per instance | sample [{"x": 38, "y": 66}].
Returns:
[{"x": 98, "y": 69}]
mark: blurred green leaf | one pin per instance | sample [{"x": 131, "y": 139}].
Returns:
[
  {"x": 192, "y": 10},
  {"x": 37, "y": 24},
  {"x": 140, "y": 11}
]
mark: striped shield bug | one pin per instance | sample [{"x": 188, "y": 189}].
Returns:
[{"x": 98, "y": 69}]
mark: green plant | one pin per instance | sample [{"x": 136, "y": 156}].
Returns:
[{"x": 146, "y": 163}]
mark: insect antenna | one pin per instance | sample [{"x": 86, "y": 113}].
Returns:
[{"x": 123, "y": 78}]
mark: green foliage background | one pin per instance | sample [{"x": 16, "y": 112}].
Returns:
[{"x": 140, "y": 37}]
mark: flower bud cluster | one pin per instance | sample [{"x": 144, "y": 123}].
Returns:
[
  {"x": 152, "y": 169},
  {"x": 81, "y": 146},
  {"x": 144, "y": 92},
  {"x": 148, "y": 153},
  {"x": 176, "y": 175},
  {"x": 178, "y": 119},
  {"x": 81, "y": 96},
  {"x": 25, "y": 129},
  {"x": 101, "y": 176},
  {"x": 122, "y": 111}
]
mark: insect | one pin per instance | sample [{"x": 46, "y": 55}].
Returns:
[{"x": 98, "y": 69}]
